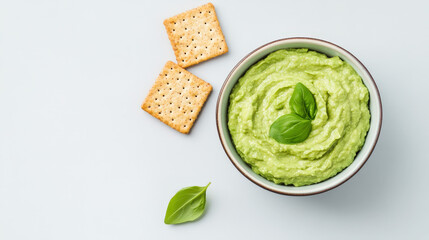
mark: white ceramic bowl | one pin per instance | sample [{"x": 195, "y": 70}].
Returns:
[{"x": 321, "y": 46}]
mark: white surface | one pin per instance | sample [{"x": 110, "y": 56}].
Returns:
[{"x": 79, "y": 159}]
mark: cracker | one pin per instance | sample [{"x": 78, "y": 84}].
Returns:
[
  {"x": 196, "y": 35},
  {"x": 176, "y": 98}
]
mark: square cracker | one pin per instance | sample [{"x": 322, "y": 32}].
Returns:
[
  {"x": 196, "y": 35},
  {"x": 176, "y": 97}
]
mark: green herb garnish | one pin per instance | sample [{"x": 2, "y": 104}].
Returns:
[
  {"x": 302, "y": 102},
  {"x": 187, "y": 205},
  {"x": 290, "y": 128},
  {"x": 295, "y": 127}
]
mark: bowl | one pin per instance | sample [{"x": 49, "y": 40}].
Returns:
[{"x": 330, "y": 50}]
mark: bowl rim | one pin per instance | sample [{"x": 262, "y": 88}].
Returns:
[{"x": 262, "y": 185}]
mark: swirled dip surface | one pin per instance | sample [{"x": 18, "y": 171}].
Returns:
[{"x": 338, "y": 132}]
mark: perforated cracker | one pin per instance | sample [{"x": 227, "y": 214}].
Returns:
[
  {"x": 196, "y": 35},
  {"x": 176, "y": 98}
]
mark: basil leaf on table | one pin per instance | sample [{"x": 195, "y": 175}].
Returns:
[
  {"x": 290, "y": 128},
  {"x": 302, "y": 102},
  {"x": 187, "y": 205}
]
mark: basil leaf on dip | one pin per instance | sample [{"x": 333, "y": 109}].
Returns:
[
  {"x": 290, "y": 128},
  {"x": 187, "y": 205},
  {"x": 296, "y": 126},
  {"x": 302, "y": 102}
]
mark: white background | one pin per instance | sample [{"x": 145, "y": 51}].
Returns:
[{"x": 79, "y": 159}]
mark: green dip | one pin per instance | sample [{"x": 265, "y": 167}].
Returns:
[{"x": 338, "y": 132}]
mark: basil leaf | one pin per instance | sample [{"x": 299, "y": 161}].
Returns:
[
  {"x": 302, "y": 102},
  {"x": 290, "y": 128},
  {"x": 187, "y": 205}
]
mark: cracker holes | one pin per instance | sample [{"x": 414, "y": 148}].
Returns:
[
  {"x": 159, "y": 113},
  {"x": 171, "y": 103},
  {"x": 183, "y": 19},
  {"x": 205, "y": 22},
  {"x": 198, "y": 86},
  {"x": 171, "y": 68},
  {"x": 187, "y": 98},
  {"x": 167, "y": 84},
  {"x": 149, "y": 106},
  {"x": 165, "y": 74},
  {"x": 192, "y": 110},
  {"x": 184, "y": 125},
  {"x": 190, "y": 119},
  {"x": 172, "y": 119},
  {"x": 192, "y": 39},
  {"x": 171, "y": 111},
  {"x": 171, "y": 89},
  {"x": 189, "y": 79},
  {"x": 193, "y": 16},
  {"x": 210, "y": 30},
  {"x": 159, "y": 90},
  {"x": 201, "y": 12},
  {"x": 210, "y": 11},
  {"x": 186, "y": 29},
  {"x": 156, "y": 99}
]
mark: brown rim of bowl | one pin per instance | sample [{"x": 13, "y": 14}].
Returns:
[{"x": 298, "y": 194}]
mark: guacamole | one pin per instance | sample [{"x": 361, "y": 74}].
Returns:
[{"x": 338, "y": 131}]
